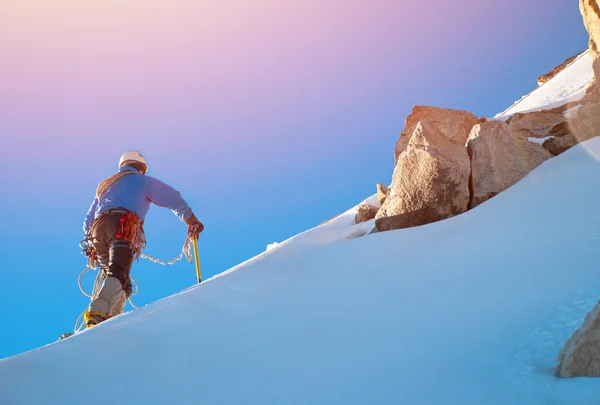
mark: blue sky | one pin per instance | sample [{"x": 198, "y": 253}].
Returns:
[{"x": 284, "y": 132}]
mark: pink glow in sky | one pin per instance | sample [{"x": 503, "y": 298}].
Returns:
[{"x": 128, "y": 61}]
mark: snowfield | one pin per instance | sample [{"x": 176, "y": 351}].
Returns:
[
  {"x": 470, "y": 310},
  {"x": 567, "y": 86}
]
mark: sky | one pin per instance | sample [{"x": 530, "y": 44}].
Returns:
[{"x": 269, "y": 117}]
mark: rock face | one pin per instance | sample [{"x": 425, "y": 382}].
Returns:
[
  {"x": 544, "y": 78},
  {"x": 581, "y": 355},
  {"x": 430, "y": 180},
  {"x": 365, "y": 213},
  {"x": 454, "y": 124},
  {"x": 382, "y": 192},
  {"x": 590, "y": 11},
  {"x": 496, "y": 163},
  {"x": 537, "y": 124},
  {"x": 533, "y": 154},
  {"x": 559, "y": 144}
]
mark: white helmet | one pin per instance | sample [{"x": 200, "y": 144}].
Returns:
[{"x": 133, "y": 157}]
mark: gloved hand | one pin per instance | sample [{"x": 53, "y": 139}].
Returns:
[{"x": 194, "y": 226}]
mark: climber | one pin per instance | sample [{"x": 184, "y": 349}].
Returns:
[{"x": 113, "y": 227}]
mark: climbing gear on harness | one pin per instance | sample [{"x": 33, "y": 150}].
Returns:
[{"x": 131, "y": 230}]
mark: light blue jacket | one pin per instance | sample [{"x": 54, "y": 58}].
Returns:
[{"x": 135, "y": 192}]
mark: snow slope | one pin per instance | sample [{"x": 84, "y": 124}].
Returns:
[
  {"x": 470, "y": 310},
  {"x": 567, "y": 86}
]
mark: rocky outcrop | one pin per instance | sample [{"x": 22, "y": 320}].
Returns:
[
  {"x": 382, "y": 192},
  {"x": 535, "y": 124},
  {"x": 580, "y": 357},
  {"x": 544, "y": 78},
  {"x": 559, "y": 144},
  {"x": 532, "y": 154},
  {"x": 449, "y": 161},
  {"x": 454, "y": 124},
  {"x": 566, "y": 127},
  {"x": 430, "y": 180},
  {"x": 496, "y": 163},
  {"x": 365, "y": 213},
  {"x": 590, "y": 11}
]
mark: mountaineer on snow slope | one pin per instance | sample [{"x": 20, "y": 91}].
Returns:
[{"x": 114, "y": 230}]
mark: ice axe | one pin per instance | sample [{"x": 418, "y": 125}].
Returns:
[{"x": 195, "y": 241}]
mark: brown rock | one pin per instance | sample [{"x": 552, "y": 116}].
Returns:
[
  {"x": 454, "y": 124},
  {"x": 558, "y": 145},
  {"x": 536, "y": 124},
  {"x": 495, "y": 161},
  {"x": 430, "y": 180},
  {"x": 544, "y": 78},
  {"x": 584, "y": 124},
  {"x": 365, "y": 213},
  {"x": 590, "y": 11},
  {"x": 417, "y": 217},
  {"x": 560, "y": 130},
  {"x": 580, "y": 357},
  {"x": 532, "y": 154},
  {"x": 382, "y": 192}
]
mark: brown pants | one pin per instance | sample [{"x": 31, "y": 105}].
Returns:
[{"x": 114, "y": 254}]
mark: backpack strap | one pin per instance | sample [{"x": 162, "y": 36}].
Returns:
[{"x": 106, "y": 183}]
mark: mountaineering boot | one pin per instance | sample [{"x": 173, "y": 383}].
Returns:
[
  {"x": 93, "y": 318},
  {"x": 119, "y": 305},
  {"x": 109, "y": 302}
]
